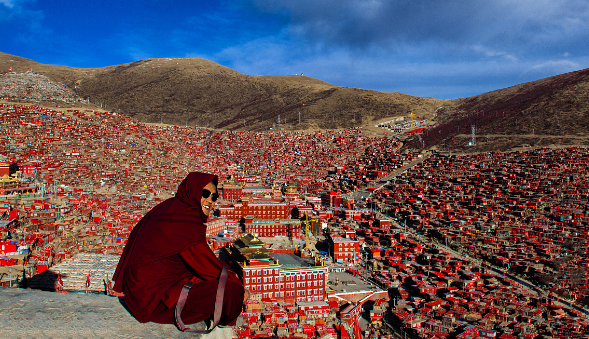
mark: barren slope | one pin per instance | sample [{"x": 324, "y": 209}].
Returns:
[
  {"x": 203, "y": 93},
  {"x": 549, "y": 112}
]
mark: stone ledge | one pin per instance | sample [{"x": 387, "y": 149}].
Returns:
[{"x": 40, "y": 314}]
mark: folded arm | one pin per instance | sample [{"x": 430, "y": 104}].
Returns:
[{"x": 203, "y": 263}]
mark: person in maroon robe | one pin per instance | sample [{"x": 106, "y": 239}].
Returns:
[{"x": 168, "y": 248}]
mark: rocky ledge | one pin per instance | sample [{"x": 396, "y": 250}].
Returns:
[{"x": 40, "y": 314}]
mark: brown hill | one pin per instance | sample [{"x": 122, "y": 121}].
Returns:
[
  {"x": 549, "y": 112},
  {"x": 203, "y": 93}
]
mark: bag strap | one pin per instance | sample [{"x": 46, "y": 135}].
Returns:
[{"x": 218, "y": 304}]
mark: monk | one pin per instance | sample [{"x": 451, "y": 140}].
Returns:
[{"x": 166, "y": 251}]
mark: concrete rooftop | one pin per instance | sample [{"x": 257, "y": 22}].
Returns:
[
  {"x": 39, "y": 314},
  {"x": 348, "y": 283}
]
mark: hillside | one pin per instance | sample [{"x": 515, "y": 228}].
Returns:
[
  {"x": 196, "y": 92},
  {"x": 549, "y": 112},
  {"x": 202, "y": 93}
]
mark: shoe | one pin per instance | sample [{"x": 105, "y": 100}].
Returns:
[{"x": 200, "y": 326}]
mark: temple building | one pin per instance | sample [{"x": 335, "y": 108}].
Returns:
[{"x": 278, "y": 276}]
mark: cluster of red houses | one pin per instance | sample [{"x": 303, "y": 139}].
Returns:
[
  {"x": 436, "y": 294},
  {"x": 86, "y": 178},
  {"x": 523, "y": 211}
]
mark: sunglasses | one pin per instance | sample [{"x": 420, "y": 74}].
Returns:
[{"x": 206, "y": 193}]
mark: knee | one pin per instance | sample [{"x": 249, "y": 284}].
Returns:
[
  {"x": 234, "y": 291},
  {"x": 232, "y": 304},
  {"x": 234, "y": 299}
]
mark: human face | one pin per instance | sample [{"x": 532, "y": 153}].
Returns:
[{"x": 207, "y": 204}]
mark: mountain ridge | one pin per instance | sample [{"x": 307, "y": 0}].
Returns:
[
  {"x": 203, "y": 93},
  {"x": 197, "y": 92},
  {"x": 548, "y": 112}
]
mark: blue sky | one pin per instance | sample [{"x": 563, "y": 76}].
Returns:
[{"x": 434, "y": 48}]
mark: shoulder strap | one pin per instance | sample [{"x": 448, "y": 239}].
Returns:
[{"x": 218, "y": 304}]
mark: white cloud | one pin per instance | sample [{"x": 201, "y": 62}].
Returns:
[
  {"x": 7, "y": 3},
  {"x": 555, "y": 67},
  {"x": 14, "y": 4},
  {"x": 452, "y": 47},
  {"x": 490, "y": 53},
  {"x": 507, "y": 25},
  {"x": 409, "y": 69}
]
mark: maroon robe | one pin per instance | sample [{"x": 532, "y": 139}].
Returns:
[{"x": 166, "y": 249}]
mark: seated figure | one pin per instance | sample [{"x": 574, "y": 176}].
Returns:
[{"x": 167, "y": 253}]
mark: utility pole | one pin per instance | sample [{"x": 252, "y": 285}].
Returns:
[{"x": 473, "y": 132}]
